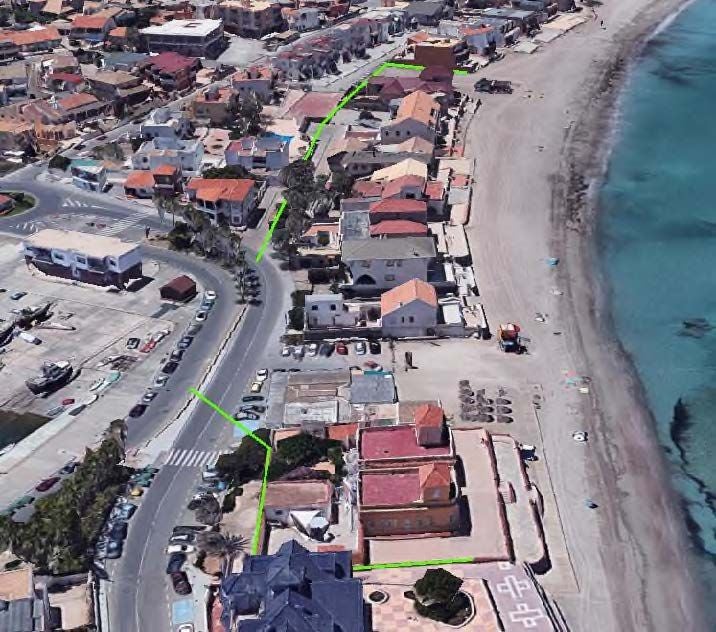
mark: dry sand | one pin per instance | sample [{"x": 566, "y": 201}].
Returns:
[{"x": 535, "y": 150}]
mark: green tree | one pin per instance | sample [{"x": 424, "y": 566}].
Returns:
[
  {"x": 342, "y": 183},
  {"x": 248, "y": 119},
  {"x": 228, "y": 172},
  {"x": 245, "y": 463},
  {"x": 437, "y": 595}
]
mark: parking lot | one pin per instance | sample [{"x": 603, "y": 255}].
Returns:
[{"x": 88, "y": 327}]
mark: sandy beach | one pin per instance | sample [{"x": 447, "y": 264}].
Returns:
[{"x": 540, "y": 156}]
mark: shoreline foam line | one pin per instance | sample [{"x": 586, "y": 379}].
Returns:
[
  {"x": 262, "y": 499},
  {"x": 319, "y": 130}
]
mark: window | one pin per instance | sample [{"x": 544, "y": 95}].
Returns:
[
  {"x": 58, "y": 255},
  {"x": 82, "y": 260},
  {"x": 411, "y": 319},
  {"x": 365, "y": 264},
  {"x": 390, "y": 277},
  {"x": 390, "y": 263},
  {"x": 314, "y": 308},
  {"x": 279, "y": 512},
  {"x": 399, "y": 263},
  {"x": 333, "y": 308}
]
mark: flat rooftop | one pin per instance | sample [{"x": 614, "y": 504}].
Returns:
[
  {"x": 387, "y": 489},
  {"x": 83, "y": 243},
  {"x": 396, "y": 442},
  {"x": 185, "y": 28}
]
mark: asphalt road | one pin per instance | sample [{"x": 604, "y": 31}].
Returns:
[{"x": 140, "y": 594}]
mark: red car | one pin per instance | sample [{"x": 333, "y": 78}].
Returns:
[
  {"x": 147, "y": 347},
  {"x": 341, "y": 348},
  {"x": 47, "y": 484},
  {"x": 68, "y": 400}
]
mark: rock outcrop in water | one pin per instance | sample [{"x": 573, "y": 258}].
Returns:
[{"x": 695, "y": 327}]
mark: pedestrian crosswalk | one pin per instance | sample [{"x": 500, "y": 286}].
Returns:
[
  {"x": 118, "y": 226},
  {"x": 72, "y": 203},
  {"x": 192, "y": 458},
  {"x": 28, "y": 227}
]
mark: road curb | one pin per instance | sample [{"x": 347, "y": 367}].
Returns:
[{"x": 187, "y": 409}]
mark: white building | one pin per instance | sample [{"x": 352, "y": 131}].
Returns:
[
  {"x": 90, "y": 177},
  {"x": 83, "y": 257},
  {"x": 325, "y": 311},
  {"x": 265, "y": 152},
  {"x": 164, "y": 123},
  {"x": 380, "y": 264},
  {"x": 184, "y": 155},
  {"x": 191, "y": 38}
]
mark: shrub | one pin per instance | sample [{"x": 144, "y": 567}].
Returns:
[{"x": 59, "y": 162}]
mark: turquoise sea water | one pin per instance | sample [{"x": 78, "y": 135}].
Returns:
[{"x": 658, "y": 249}]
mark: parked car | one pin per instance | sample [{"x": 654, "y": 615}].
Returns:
[
  {"x": 209, "y": 295},
  {"x": 114, "y": 550},
  {"x": 327, "y": 349},
  {"x": 133, "y": 343},
  {"x": 160, "y": 335},
  {"x": 209, "y": 472},
  {"x": 206, "y": 306},
  {"x": 53, "y": 412},
  {"x": 136, "y": 491},
  {"x": 69, "y": 468},
  {"x": 285, "y": 351},
  {"x": 170, "y": 367},
  {"x": 262, "y": 375},
  {"x": 149, "y": 396},
  {"x": 175, "y": 563},
  {"x": 116, "y": 530},
  {"x": 193, "y": 329},
  {"x": 137, "y": 410},
  {"x": 256, "y": 387},
  {"x": 243, "y": 414},
  {"x": 201, "y": 316},
  {"x": 180, "y": 548},
  {"x": 160, "y": 381},
  {"x": 190, "y": 528},
  {"x": 313, "y": 349},
  {"x": 182, "y": 538},
  {"x": 48, "y": 483},
  {"x": 185, "y": 342},
  {"x": 16, "y": 296},
  {"x": 123, "y": 511},
  {"x": 252, "y": 398},
  {"x": 252, "y": 409},
  {"x": 360, "y": 347},
  {"x": 186, "y": 627},
  {"x": 298, "y": 351},
  {"x": 176, "y": 355},
  {"x": 374, "y": 347},
  {"x": 148, "y": 346},
  {"x": 180, "y": 583},
  {"x": 341, "y": 348}
]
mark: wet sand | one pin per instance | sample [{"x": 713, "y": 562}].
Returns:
[{"x": 540, "y": 157}]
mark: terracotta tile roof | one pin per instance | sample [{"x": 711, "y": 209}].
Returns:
[
  {"x": 341, "y": 432},
  {"x": 398, "y": 227},
  {"x": 366, "y": 188},
  {"x": 435, "y": 190},
  {"x": 314, "y": 104},
  {"x": 297, "y": 493},
  {"x": 120, "y": 31},
  {"x": 395, "y": 187},
  {"x": 170, "y": 61},
  {"x": 428, "y": 415},
  {"x": 139, "y": 179},
  {"x": 230, "y": 190},
  {"x": 89, "y": 21},
  {"x": 314, "y": 230},
  {"x": 420, "y": 36},
  {"x": 419, "y": 106},
  {"x": 69, "y": 77},
  {"x": 34, "y": 36},
  {"x": 164, "y": 170},
  {"x": 434, "y": 475},
  {"x": 77, "y": 101},
  {"x": 398, "y": 205},
  {"x": 413, "y": 290},
  {"x": 16, "y": 584}
]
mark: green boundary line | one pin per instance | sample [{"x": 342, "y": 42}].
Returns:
[
  {"x": 454, "y": 560},
  {"x": 319, "y": 130},
  {"x": 262, "y": 497}
]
